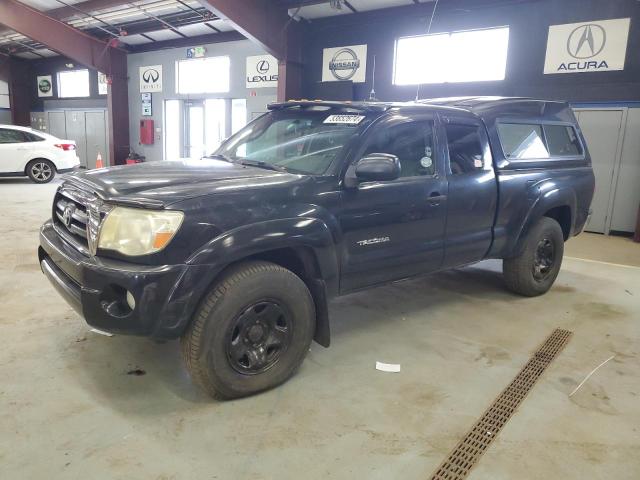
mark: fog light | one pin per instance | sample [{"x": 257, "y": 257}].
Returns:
[{"x": 131, "y": 301}]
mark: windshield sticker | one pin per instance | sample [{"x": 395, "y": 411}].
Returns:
[{"x": 344, "y": 119}]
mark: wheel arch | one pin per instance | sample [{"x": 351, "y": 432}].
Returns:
[{"x": 35, "y": 159}]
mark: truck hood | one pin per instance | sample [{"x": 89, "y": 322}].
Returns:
[{"x": 158, "y": 184}]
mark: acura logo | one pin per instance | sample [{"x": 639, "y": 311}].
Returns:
[
  {"x": 344, "y": 64},
  {"x": 586, "y": 41},
  {"x": 262, "y": 67},
  {"x": 150, "y": 76},
  {"x": 67, "y": 215}
]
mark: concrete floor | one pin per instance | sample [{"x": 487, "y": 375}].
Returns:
[{"x": 68, "y": 409}]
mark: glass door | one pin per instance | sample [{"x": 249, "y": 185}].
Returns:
[{"x": 205, "y": 126}]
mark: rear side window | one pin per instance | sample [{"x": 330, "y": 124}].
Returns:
[
  {"x": 11, "y": 136},
  {"x": 522, "y": 141},
  {"x": 465, "y": 148},
  {"x": 562, "y": 141}
]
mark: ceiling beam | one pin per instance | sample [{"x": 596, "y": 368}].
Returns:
[
  {"x": 58, "y": 36},
  {"x": 187, "y": 42},
  {"x": 262, "y": 22}
]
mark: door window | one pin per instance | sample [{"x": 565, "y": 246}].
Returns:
[
  {"x": 465, "y": 148},
  {"x": 11, "y": 136},
  {"x": 411, "y": 142}
]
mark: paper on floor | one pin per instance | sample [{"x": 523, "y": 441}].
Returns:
[
  {"x": 106, "y": 334},
  {"x": 388, "y": 367}
]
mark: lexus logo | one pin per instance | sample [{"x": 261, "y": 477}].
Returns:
[
  {"x": 262, "y": 67},
  {"x": 150, "y": 76},
  {"x": 586, "y": 41},
  {"x": 67, "y": 215},
  {"x": 344, "y": 64}
]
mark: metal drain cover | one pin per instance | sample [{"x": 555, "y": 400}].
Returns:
[{"x": 467, "y": 453}]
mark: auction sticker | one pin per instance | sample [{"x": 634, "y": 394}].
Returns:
[{"x": 344, "y": 119}]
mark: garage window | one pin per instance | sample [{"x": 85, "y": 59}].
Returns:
[
  {"x": 203, "y": 75},
  {"x": 469, "y": 56},
  {"x": 73, "y": 83}
]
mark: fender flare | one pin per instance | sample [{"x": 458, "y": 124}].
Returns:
[
  {"x": 549, "y": 197},
  {"x": 310, "y": 233}
]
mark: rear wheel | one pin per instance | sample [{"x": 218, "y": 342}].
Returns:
[
  {"x": 41, "y": 170},
  {"x": 533, "y": 271},
  {"x": 252, "y": 331}
]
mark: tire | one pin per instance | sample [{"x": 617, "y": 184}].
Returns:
[
  {"x": 533, "y": 272},
  {"x": 41, "y": 170},
  {"x": 230, "y": 348}
]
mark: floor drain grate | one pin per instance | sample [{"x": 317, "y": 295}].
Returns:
[{"x": 467, "y": 453}]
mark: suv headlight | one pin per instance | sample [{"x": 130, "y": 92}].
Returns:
[{"x": 135, "y": 231}]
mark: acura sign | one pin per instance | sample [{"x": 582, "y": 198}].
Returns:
[
  {"x": 593, "y": 46},
  {"x": 262, "y": 71},
  {"x": 345, "y": 63}
]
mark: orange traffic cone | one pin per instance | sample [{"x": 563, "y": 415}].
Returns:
[{"x": 99, "y": 163}]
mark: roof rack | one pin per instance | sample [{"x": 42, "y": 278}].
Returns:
[{"x": 365, "y": 106}]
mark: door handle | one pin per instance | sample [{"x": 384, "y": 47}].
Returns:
[{"x": 435, "y": 198}]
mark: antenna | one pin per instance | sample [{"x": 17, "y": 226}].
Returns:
[
  {"x": 433, "y": 13},
  {"x": 372, "y": 93}
]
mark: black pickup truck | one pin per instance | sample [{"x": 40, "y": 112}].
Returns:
[{"x": 238, "y": 253}]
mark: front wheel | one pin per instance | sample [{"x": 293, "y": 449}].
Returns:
[
  {"x": 41, "y": 170},
  {"x": 252, "y": 331},
  {"x": 533, "y": 271}
]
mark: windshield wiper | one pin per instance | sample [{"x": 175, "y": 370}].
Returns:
[
  {"x": 221, "y": 157},
  {"x": 261, "y": 164}
]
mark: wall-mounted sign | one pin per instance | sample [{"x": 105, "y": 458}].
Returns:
[
  {"x": 262, "y": 71},
  {"x": 344, "y": 63},
  {"x": 151, "y": 78},
  {"x": 103, "y": 84},
  {"x": 196, "y": 52},
  {"x": 147, "y": 111},
  {"x": 45, "y": 86},
  {"x": 594, "y": 46}
]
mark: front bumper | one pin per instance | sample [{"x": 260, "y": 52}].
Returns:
[{"x": 165, "y": 296}]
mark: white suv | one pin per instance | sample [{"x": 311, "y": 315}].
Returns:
[{"x": 28, "y": 152}]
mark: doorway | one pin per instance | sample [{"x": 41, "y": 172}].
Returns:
[{"x": 205, "y": 126}]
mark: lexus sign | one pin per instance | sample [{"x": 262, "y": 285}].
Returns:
[
  {"x": 594, "y": 46},
  {"x": 151, "y": 79},
  {"x": 262, "y": 71}
]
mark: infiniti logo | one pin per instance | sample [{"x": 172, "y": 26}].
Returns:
[
  {"x": 586, "y": 41},
  {"x": 262, "y": 67},
  {"x": 150, "y": 76}
]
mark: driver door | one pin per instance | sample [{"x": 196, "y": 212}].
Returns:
[{"x": 395, "y": 229}]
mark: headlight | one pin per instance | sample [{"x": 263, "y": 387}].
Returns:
[{"x": 135, "y": 231}]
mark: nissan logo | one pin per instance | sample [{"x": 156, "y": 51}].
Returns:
[
  {"x": 150, "y": 76},
  {"x": 344, "y": 64},
  {"x": 67, "y": 215},
  {"x": 262, "y": 67},
  {"x": 586, "y": 41}
]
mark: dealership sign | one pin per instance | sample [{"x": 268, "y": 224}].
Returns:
[
  {"x": 45, "y": 86},
  {"x": 151, "y": 79},
  {"x": 262, "y": 71},
  {"x": 344, "y": 63},
  {"x": 594, "y": 46}
]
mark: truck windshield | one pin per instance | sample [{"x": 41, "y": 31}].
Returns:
[{"x": 300, "y": 141}]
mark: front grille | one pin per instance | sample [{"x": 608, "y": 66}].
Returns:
[{"x": 70, "y": 213}]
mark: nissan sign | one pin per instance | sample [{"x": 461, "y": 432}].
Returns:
[
  {"x": 345, "y": 63},
  {"x": 262, "y": 71},
  {"x": 594, "y": 46}
]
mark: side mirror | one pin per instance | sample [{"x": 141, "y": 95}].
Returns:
[{"x": 374, "y": 167}]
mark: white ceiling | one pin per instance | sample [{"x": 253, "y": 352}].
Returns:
[{"x": 322, "y": 10}]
